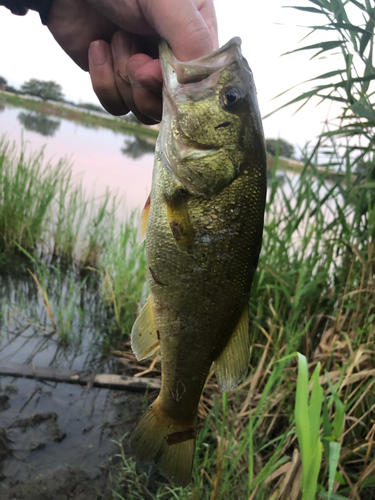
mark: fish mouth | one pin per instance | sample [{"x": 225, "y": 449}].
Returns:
[{"x": 177, "y": 73}]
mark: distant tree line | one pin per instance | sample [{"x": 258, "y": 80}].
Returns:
[
  {"x": 52, "y": 91},
  {"x": 45, "y": 90},
  {"x": 280, "y": 146}
]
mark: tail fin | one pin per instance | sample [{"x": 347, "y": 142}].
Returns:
[{"x": 169, "y": 444}]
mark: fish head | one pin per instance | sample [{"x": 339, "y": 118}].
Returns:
[{"x": 211, "y": 117}]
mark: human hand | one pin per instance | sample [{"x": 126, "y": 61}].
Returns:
[{"x": 124, "y": 65}]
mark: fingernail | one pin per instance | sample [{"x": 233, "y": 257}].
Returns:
[
  {"x": 98, "y": 52},
  {"x": 120, "y": 45}
]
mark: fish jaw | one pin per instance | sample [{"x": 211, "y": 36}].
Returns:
[{"x": 177, "y": 72}]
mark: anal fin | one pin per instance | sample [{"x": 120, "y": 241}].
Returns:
[
  {"x": 144, "y": 336},
  {"x": 232, "y": 364}
]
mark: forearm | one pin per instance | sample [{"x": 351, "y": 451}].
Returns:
[{"x": 20, "y": 7}]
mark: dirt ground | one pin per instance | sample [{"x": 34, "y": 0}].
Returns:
[{"x": 62, "y": 444}]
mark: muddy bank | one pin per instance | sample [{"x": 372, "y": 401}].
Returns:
[{"x": 57, "y": 441}]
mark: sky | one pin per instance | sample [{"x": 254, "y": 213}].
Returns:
[{"x": 267, "y": 30}]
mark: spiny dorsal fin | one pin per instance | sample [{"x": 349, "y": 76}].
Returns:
[
  {"x": 143, "y": 221},
  {"x": 144, "y": 336},
  {"x": 179, "y": 222},
  {"x": 232, "y": 364}
]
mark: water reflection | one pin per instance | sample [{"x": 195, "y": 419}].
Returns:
[
  {"x": 137, "y": 147},
  {"x": 28, "y": 335},
  {"x": 38, "y": 122},
  {"x": 95, "y": 156}
]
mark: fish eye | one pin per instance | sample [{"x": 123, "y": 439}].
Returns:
[{"x": 231, "y": 97}]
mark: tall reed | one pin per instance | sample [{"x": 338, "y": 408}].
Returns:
[{"x": 28, "y": 188}]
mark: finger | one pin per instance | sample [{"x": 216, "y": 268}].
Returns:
[
  {"x": 124, "y": 45},
  {"x": 189, "y": 26},
  {"x": 126, "y": 14},
  {"x": 182, "y": 25},
  {"x": 103, "y": 78},
  {"x": 146, "y": 79},
  {"x": 207, "y": 11},
  {"x": 75, "y": 25}
]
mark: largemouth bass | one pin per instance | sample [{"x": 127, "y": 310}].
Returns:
[{"x": 203, "y": 238}]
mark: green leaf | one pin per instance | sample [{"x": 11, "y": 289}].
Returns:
[
  {"x": 363, "y": 110},
  {"x": 315, "y": 406},
  {"x": 301, "y": 409},
  {"x": 334, "y": 454},
  {"x": 339, "y": 10},
  {"x": 349, "y": 27},
  {"x": 311, "y": 482},
  {"x": 366, "y": 37},
  {"x": 324, "y": 46},
  {"x": 334, "y": 496},
  {"x": 306, "y": 9},
  {"x": 330, "y": 74},
  {"x": 349, "y": 82},
  {"x": 339, "y": 418},
  {"x": 321, "y": 3},
  {"x": 358, "y": 4},
  {"x": 339, "y": 478}
]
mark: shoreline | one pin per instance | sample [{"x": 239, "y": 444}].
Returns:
[{"x": 85, "y": 117}]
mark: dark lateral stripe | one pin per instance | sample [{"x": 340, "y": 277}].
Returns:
[{"x": 180, "y": 437}]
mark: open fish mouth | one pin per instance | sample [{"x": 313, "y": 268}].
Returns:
[{"x": 178, "y": 73}]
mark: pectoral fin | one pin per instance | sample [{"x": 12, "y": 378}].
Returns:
[
  {"x": 143, "y": 221},
  {"x": 144, "y": 336},
  {"x": 179, "y": 222},
  {"x": 232, "y": 364}
]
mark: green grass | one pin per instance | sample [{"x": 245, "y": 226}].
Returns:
[
  {"x": 124, "y": 268},
  {"x": 47, "y": 219},
  {"x": 313, "y": 292},
  {"x": 27, "y": 190},
  {"x": 278, "y": 436}
]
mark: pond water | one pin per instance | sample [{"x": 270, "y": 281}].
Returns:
[
  {"x": 100, "y": 157},
  {"x": 56, "y": 435}
]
